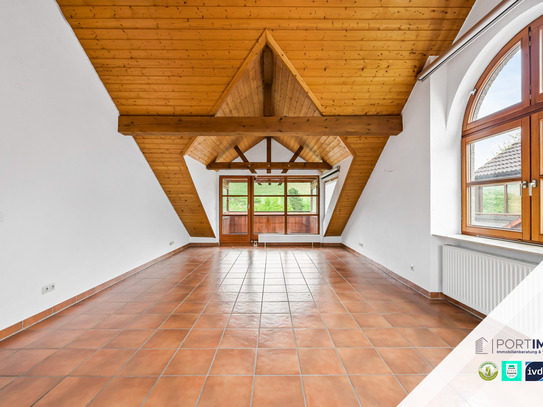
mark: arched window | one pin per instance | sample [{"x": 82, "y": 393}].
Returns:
[{"x": 502, "y": 144}]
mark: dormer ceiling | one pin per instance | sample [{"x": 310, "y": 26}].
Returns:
[{"x": 187, "y": 78}]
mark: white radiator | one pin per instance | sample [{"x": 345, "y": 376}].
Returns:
[{"x": 479, "y": 280}]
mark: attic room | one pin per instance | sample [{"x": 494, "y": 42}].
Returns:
[{"x": 269, "y": 203}]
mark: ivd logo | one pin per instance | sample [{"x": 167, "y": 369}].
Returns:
[{"x": 534, "y": 371}]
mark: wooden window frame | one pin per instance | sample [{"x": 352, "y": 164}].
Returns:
[
  {"x": 524, "y": 115},
  {"x": 237, "y": 239}
]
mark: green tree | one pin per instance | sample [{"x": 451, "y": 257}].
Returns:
[{"x": 295, "y": 202}]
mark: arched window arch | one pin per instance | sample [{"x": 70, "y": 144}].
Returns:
[{"x": 502, "y": 144}]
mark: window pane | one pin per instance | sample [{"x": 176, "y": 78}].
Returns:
[
  {"x": 303, "y": 224},
  {"x": 269, "y": 204},
  {"x": 269, "y": 224},
  {"x": 234, "y": 187},
  {"x": 503, "y": 88},
  {"x": 302, "y": 204},
  {"x": 302, "y": 187},
  {"x": 495, "y": 157},
  {"x": 329, "y": 187},
  {"x": 234, "y": 225},
  {"x": 496, "y": 206},
  {"x": 237, "y": 204},
  {"x": 269, "y": 186}
]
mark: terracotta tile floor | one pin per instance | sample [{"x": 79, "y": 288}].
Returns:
[{"x": 236, "y": 327}]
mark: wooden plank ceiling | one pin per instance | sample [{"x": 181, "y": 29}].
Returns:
[{"x": 185, "y": 58}]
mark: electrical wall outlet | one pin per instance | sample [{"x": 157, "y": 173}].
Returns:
[
  {"x": 171, "y": 243},
  {"x": 48, "y": 288}
]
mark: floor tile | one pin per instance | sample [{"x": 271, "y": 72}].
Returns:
[
  {"x": 234, "y": 362},
  {"x": 166, "y": 338},
  {"x": 385, "y": 337},
  {"x": 313, "y": 338},
  {"x": 409, "y": 382},
  {"x": 240, "y": 338},
  {"x": 450, "y": 335},
  {"x": 378, "y": 390},
  {"x": 93, "y": 339},
  {"x": 203, "y": 338},
  {"x": 421, "y": 337},
  {"x": 434, "y": 356},
  {"x": 124, "y": 392},
  {"x": 314, "y": 321},
  {"x": 402, "y": 320},
  {"x": 349, "y": 338},
  {"x": 175, "y": 392},
  {"x": 371, "y": 321},
  {"x": 73, "y": 392},
  {"x": 277, "y": 362},
  {"x": 147, "y": 362},
  {"x": 55, "y": 339},
  {"x": 339, "y": 321},
  {"x": 213, "y": 321},
  {"x": 328, "y": 391},
  {"x": 362, "y": 361},
  {"x": 227, "y": 391},
  {"x": 180, "y": 321},
  {"x": 274, "y": 391},
  {"x": 23, "y": 360},
  {"x": 61, "y": 363},
  {"x": 105, "y": 362},
  {"x": 276, "y": 338},
  {"x": 244, "y": 321},
  {"x": 25, "y": 391},
  {"x": 320, "y": 362},
  {"x": 404, "y": 361},
  {"x": 191, "y": 362},
  {"x": 129, "y": 339}
]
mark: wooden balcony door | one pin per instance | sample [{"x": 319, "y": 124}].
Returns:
[{"x": 236, "y": 210}]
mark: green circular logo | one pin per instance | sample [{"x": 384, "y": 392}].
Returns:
[{"x": 488, "y": 371}]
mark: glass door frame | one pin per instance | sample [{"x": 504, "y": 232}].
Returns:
[{"x": 240, "y": 238}]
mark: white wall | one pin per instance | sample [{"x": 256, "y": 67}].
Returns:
[
  {"x": 79, "y": 205},
  {"x": 414, "y": 193}
]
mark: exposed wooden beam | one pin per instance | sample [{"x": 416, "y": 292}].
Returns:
[
  {"x": 268, "y": 152},
  {"x": 270, "y": 165},
  {"x": 243, "y": 158},
  {"x": 366, "y": 126},
  {"x": 294, "y": 157},
  {"x": 267, "y": 80}
]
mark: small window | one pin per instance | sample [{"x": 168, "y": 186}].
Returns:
[
  {"x": 329, "y": 187},
  {"x": 503, "y": 88}
]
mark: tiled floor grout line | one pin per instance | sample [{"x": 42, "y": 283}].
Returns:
[
  {"x": 293, "y": 331},
  {"x": 225, "y": 327},
  {"x": 98, "y": 349},
  {"x": 326, "y": 326},
  {"x": 393, "y": 327},
  {"x": 259, "y": 322},
  {"x": 156, "y": 330}
]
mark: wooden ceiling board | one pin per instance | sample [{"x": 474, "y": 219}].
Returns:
[{"x": 193, "y": 48}]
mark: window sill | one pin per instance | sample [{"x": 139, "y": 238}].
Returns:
[{"x": 484, "y": 241}]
